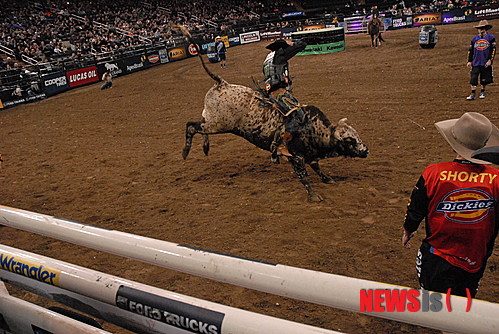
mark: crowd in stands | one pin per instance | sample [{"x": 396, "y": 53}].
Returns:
[{"x": 51, "y": 30}]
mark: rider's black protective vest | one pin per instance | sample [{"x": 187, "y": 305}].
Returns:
[{"x": 275, "y": 76}]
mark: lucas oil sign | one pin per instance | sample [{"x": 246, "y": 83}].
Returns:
[{"x": 82, "y": 76}]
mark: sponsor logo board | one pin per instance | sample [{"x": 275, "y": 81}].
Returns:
[
  {"x": 183, "y": 316},
  {"x": 432, "y": 18},
  {"x": 177, "y": 53},
  {"x": 249, "y": 37},
  {"x": 489, "y": 12},
  {"x": 30, "y": 269},
  {"x": 82, "y": 76}
]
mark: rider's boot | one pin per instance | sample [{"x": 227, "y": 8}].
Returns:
[{"x": 283, "y": 148}]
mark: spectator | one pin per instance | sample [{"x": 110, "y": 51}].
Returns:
[
  {"x": 480, "y": 58},
  {"x": 458, "y": 201}
]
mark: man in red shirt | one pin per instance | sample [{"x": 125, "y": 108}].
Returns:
[{"x": 459, "y": 202}]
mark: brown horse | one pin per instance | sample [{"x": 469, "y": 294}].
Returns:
[{"x": 374, "y": 30}]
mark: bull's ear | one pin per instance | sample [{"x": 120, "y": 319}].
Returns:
[{"x": 342, "y": 122}]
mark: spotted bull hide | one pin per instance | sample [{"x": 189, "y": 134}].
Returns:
[{"x": 247, "y": 113}]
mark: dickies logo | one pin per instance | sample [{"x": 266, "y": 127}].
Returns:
[
  {"x": 482, "y": 44},
  {"x": 466, "y": 205}
]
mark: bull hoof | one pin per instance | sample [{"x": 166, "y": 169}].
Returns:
[
  {"x": 185, "y": 153},
  {"x": 328, "y": 180},
  {"x": 315, "y": 198}
]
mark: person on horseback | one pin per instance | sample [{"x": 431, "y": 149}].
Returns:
[
  {"x": 278, "y": 86},
  {"x": 374, "y": 29}
]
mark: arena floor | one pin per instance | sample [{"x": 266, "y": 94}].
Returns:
[{"x": 113, "y": 159}]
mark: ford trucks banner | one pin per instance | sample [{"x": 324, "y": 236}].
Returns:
[
  {"x": 401, "y": 22},
  {"x": 430, "y": 18},
  {"x": 82, "y": 76},
  {"x": 55, "y": 83},
  {"x": 183, "y": 317}
]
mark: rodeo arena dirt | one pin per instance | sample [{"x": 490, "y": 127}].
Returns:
[{"x": 113, "y": 159}]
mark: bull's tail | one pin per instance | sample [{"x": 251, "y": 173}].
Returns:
[{"x": 188, "y": 36}]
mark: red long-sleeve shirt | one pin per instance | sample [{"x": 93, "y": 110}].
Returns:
[{"x": 459, "y": 201}]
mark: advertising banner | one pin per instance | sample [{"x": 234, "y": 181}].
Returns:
[
  {"x": 192, "y": 51},
  {"x": 15, "y": 96},
  {"x": 486, "y": 13},
  {"x": 314, "y": 27},
  {"x": 153, "y": 59},
  {"x": 207, "y": 45},
  {"x": 321, "y": 41},
  {"x": 169, "y": 311},
  {"x": 134, "y": 64},
  {"x": 250, "y": 37},
  {"x": 114, "y": 67},
  {"x": 82, "y": 76},
  {"x": 399, "y": 22},
  {"x": 429, "y": 18},
  {"x": 54, "y": 83},
  {"x": 267, "y": 35},
  {"x": 286, "y": 32},
  {"x": 323, "y": 48},
  {"x": 177, "y": 53},
  {"x": 163, "y": 56},
  {"x": 234, "y": 40},
  {"x": 293, "y": 14},
  {"x": 457, "y": 16}
]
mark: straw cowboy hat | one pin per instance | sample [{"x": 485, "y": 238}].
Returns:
[
  {"x": 469, "y": 133},
  {"x": 218, "y": 38},
  {"x": 277, "y": 44},
  {"x": 483, "y": 24}
]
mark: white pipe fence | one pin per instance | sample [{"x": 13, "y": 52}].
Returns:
[
  {"x": 129, "y": 298},
  {"x": 312, "y": 286},
  {"x": 20, "y": 317}
]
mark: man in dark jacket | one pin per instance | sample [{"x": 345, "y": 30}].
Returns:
[{"x": 278, "y": 85}]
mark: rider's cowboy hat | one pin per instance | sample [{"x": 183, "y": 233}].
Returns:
[
  {"x": 217, "y": 38},
  {"x": 277, "y": 44},
  {"x": 483, "y": 24},
  {"x": 469, "y": 133}
]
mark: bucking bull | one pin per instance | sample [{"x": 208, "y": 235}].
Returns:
[{"x": 248, "y": 113}]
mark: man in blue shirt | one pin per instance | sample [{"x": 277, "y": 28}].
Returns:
[
  {"x": 480, "y": 58},
  {"x": 221, "y": 51}
]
